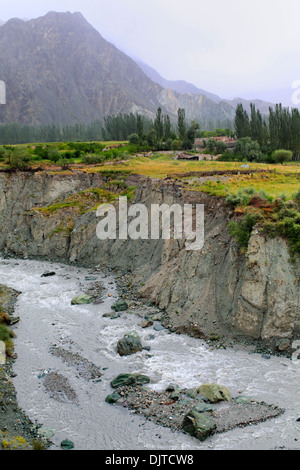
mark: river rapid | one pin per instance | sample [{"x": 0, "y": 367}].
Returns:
[{"x": 47, "y": 318}]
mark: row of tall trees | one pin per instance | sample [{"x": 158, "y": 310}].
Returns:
[
  {"x": 153, "y": 131},
  {"x": 279, "y": 130}
]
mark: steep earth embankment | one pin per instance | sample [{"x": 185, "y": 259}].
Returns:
[{"x": 216, "y": 292}]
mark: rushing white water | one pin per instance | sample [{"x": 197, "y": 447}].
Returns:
[{"x": 48, "y": 318}]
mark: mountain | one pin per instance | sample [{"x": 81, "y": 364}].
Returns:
[
  {"x": 263, "y": 106},
  {"x": 197, "y": 107},
  {"x": 59, "y": 69},
  {"x": 183, "y": 87},
  {"x": 180, "y": 86}
]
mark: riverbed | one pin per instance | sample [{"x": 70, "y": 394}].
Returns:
[{"x": 47, "y": 320}]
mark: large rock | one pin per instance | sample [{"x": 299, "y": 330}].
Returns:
[
  {"x": 199, "y": 425},
  {"x": 112, "y": 398},
  {"x": 120, "y": 306},
  {"x": 129, "y": 344},
  {"x": 129, "y": 379},
  {"x": 82, "y": 300},
  {"x": 214, "y": 392}
]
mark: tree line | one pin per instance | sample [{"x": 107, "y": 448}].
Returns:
[
  {"x": 158, "y": 132},
  {"x": 279, "y": 130}
]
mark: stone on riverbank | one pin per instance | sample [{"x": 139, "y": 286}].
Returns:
[
  {"x": 199, "y": 425},
  {"x": 214, "y": 392}
]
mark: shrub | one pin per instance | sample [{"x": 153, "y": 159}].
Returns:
[
  {"x": 281, "y": 156},
  {"x": 134, "y": 139},
  {"x": 242, "y": 229},
  {"x": 296, "y": 197},
  {"x": 5, "y": 333},
  {"x": 247, "y": 196},
  {"x": 93, "y": 159},
  {"x": 18, "y": 159},
  {"x": 53, "y": 155}
]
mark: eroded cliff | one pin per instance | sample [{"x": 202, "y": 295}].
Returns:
[{"x": 213, "y": 292}]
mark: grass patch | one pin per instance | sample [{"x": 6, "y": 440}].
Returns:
[
  {"x": 6, "y": 335},
  {"x": 87, "y": 200}
]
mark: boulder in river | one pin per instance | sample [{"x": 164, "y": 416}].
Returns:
[
  {"x": 129, "y": 344},
  {"x": 67, "y": 445},
  {"x": 113, "y": 398},
  {"x": 48, "y": 274},
  {"x": 120, "y": 306},
  {"x": 82, "y": 300},
  {"x": 129, "y": 379}
]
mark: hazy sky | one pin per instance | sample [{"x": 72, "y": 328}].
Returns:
[{"x": 228, "y": 47}]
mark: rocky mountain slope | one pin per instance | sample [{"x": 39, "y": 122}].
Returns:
[
  {"x": 181, "y": 86},
  {"x": 59, "y": 69}
]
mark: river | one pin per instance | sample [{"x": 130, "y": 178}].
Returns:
[{"x": 47, "y": 318}]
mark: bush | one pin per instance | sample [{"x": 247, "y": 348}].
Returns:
[
  {"x": 244, "y": 197},
  {"x": 242, "y": 230},
  {"x": 134, "y": 139},
  {"x": 53, "y": 155},
  {"x": 93, "y": 159},
  {"x": 280, "y": 156},
  {"x": 86, "y": 147},
  {"x": 296, "y": 197},
  {"x": 229, "y": 156},
  {"x": 5, "y": 333},
  {"x": 42, "y": 151},
  {"x": 18, "y": 159}
]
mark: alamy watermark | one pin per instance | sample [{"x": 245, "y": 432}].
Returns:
[
  {"x": 296, "y": 94},
  {"x": 2, "y": 92},
  {"x": 163, "y": 221}
]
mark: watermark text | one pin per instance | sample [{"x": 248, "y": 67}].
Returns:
[{"x": 163, "y": 221}]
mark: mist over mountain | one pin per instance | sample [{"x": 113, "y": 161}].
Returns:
[
  {"x": 59, "y": 69},
  {"x": 181, "y": 86}
]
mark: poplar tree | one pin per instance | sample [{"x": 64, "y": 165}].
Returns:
[
  {"x": 241, "y": 122},
  {"x": 181, "y": 124}
]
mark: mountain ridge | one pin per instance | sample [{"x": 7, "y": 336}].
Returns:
[{"x": 59, "y": 69}]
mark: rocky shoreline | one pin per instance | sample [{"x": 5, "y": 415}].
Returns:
[
  {"x": 170, "y": 408},
  {"x": 17, "y": 432},
  {"x": 150, "y": 312}
]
